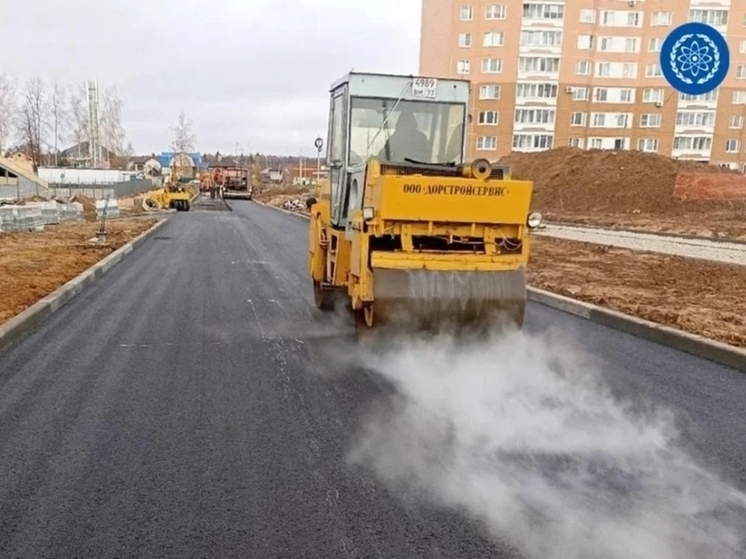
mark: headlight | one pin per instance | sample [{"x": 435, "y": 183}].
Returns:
[
  {"x": 368, "y": 213},
  {"x": 534, "y": 220}
]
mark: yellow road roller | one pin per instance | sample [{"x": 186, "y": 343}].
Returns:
[{"x": 405, "y": 232}]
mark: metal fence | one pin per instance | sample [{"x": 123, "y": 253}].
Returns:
[
  {"x": 103, "y": 191},
  {"x": 24, "y": 189}
]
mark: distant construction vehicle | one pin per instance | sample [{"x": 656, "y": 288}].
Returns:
[{"x": 405, "y": 232}]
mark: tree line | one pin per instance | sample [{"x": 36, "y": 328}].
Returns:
[{"x": 40, "y": 119}]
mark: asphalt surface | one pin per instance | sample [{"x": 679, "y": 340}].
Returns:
[{"x": 172, "y": 411}]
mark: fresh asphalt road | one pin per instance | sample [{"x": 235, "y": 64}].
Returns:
[{"x": 169, "y": 411}]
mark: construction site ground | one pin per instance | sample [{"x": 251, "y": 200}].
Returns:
[
  {"x": 34, "y": 264},
  {"x": 634, "y": 190}
]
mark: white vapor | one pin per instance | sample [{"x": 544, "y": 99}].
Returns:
[{"x": 522, "y": 434}]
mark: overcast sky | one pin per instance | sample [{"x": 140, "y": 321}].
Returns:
[{"x": 253, "y": 72}]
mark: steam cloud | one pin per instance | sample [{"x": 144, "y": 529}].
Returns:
[{"x": 522, "y": 434}]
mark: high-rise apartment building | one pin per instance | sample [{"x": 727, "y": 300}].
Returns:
[{"x": 586, "y": 73}]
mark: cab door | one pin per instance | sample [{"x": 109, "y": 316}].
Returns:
[{"x": 336, "y": 158}]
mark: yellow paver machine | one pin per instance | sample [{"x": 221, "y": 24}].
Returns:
[{"x": 405, "y": 232}]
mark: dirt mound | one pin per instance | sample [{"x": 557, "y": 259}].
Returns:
[
  {"x": 89, "y": 206},
  {"x": 573, "y": 180}
]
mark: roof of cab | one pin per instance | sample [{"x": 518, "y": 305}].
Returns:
[{"x": 346, "y": 78}]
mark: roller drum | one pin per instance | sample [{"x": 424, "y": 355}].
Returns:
[{"x": 449, "y": 300}]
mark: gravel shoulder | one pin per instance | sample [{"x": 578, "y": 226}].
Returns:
[{"x": 716, "y": 251}]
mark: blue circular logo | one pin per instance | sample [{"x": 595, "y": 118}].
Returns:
[{"x": 695, "y": 58}]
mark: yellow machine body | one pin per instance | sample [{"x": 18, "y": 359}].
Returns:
[{"x": 425, "y": 246}]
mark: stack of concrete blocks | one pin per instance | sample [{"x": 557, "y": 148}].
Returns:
[
  {"x": 109, "y": 207},
  {"x": 34, "y": 216},
  {"x": 21, "y": 218},
  {"x": 71, "y": 212}
]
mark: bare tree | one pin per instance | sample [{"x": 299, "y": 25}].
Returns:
[
  {"x": 113, "y": 135},
  {"x": 7, "y": 109},
  {"x": 59, "y": 116},
  {"x": 33, "y": 120},
  {"x": 78, "y": 114},
  {"x": 184, "y": 137}
]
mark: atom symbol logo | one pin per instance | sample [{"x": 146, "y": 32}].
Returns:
[{"x": 695, "y": 58}]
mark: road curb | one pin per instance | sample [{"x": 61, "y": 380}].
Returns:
[
  {"x": 33, "y": 316},
  {"x": 289, "y": 212},
  {"x": 692, "y": 344}
]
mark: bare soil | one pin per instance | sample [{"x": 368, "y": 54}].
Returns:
[
  {"x": 629, "y": 189},
  {"x": 34, "y": 264},
  {"x": 695, "y": 296}
]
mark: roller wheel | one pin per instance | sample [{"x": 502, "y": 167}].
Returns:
[
  {"x": 365, "y": 330},
  {"x": 186, "y": 205},
  {"x": 324, "y": 299}
]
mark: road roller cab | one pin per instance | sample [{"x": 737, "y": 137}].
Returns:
[{"x": 404, "y": 230}]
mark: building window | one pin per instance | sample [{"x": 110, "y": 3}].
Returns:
[
  {"x": 653, "y": 71},
  {"x": 695, "y": 119},
  {"x": 577, "y": 119},
  {"x": 534, "y": 116},
  {"x": 652, "y": 96},
  {"x": 596, "y": 143},
  {"x": 739, "y": 97},
  {"x": 704, "y": 98},
  {"x": 576, "y": 143},
  {"x": 492, "y": 65},
  {"x": 587, "y": 15},
  {"x": 626, "y": 96},
  {"x": 489, "y": 91},
  {"x": 495, "y": 12},
  {"x": 661, "y": 18},
  {"x": 488, "y": 118},
  {"x": 580, "y": 94},
  {"x": 538, "y": 64},
  {"x": 467, "y": 13},
  {"x": 463, "y": 66},
  {"x": 543, "y": 11},
  {"x": 536, "y": 90},
  {"x": 650, "y": 121},
  {"x": 611, "y": 18},
  {"x": 487, "y": 143},
  {"x": 741, "y": 72},
  {"x": 583, "y": 68},
  {"x": 732, "y": 146},
  {"x": 585, "y": 42},
  {"x": 541, "y": 38},
  {"x": 692, "y": 143},
  {"x": 710, "y": 17},
  {"x": 493, "y": 39},
  {"x": 599, "y": 120},
  {"x": 533, "y": 141},
  {"x": 603, "y": 69},
  {"x": 647, "y": 144},
  {"x": 464, "y": 40},
  {"x": 655, "y": 44},
  {"x": 736, "y": 121},
  {"x": 601, "y": 94}
]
